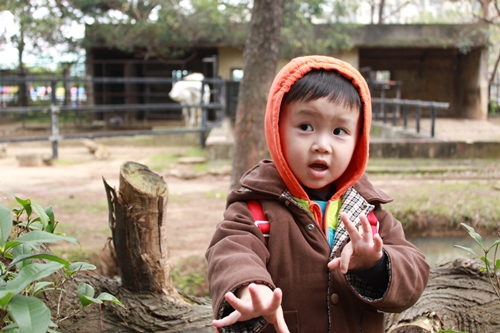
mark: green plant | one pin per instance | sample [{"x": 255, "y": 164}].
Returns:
[
  {"x": 492, "y": 266},
  {"x": 28, "y": 269},
  {"x": 190, "y": 276}
]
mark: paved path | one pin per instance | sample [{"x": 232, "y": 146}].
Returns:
[{"x": 462, "y": 129}]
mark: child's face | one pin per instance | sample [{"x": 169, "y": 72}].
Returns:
[{"x": 318, "y": 139}]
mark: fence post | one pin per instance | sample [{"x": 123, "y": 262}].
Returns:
[
  {"x": 405, "y": 116},
  {"x": 418, "y": 118},
  {"x": 394, "y": 114},
  {"x": 54, "y": 120},
  {"x": 433, "y": 119},
  {"x": 203, "y": 116}
]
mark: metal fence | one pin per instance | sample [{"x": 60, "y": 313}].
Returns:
[
  {"x": 383, "y": 108},
  {"x": 108, "y": 99},
  {"x": 494, "y": 102}
]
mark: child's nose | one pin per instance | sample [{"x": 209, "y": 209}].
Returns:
[{"x": 322, "y": 145}]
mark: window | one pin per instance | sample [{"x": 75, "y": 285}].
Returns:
[{"x": 236, "y": 74}]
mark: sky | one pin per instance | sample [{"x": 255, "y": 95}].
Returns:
[{"x": 9, "y": 54}]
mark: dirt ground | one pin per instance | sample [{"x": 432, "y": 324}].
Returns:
[{"x": 74, "y": 187}]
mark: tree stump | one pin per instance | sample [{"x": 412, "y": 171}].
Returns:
[
  {"x": 458, "y": 297},
  {"x": 137, "y": 218}
]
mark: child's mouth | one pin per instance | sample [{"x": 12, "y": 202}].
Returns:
[{"x": 318, "y": 167}]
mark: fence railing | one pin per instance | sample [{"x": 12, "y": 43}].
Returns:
[
  {"x": 383, "y": 108},
  {"x": 108, "y": 95}
]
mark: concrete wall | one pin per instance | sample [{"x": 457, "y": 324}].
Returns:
[
  {"x": 443, "y": 63},
  {"x": 471, "y": 83},
  {"x": 230, "y": 58}
]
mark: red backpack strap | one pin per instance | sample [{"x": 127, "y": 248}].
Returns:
[
  {"x": 260, "y": 219},
  {"x": 373, "y": 223}
]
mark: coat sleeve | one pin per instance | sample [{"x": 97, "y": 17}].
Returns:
[
  {"x": 408, "y": 270},
  {"x": 237, "y": 256}
]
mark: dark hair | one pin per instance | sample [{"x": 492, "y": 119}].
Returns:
[{"x": 321, "y": 83}]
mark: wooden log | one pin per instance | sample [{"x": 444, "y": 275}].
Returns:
[
  {"x": 458, "y": 297},
  {"x": 137, "y": 218},
  {"x": 142, "y": 312}
]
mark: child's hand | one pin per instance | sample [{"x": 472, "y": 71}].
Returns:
[
  {"x": 363, "y": 251},
  {"x": 255, "y": 300}
]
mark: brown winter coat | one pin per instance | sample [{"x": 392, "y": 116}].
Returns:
[{"x": 314, "y": 299}]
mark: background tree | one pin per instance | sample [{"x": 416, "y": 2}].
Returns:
[
  {"x": 282, "y": 30},
  {"x": 42, "y": 24},
  {"x": 260, "y": 58}
]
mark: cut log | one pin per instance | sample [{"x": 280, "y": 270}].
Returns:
[
  {"x": 137, "y": 218},
  {"x": 458, "y": 297}
]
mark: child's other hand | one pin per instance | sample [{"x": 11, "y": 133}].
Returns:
[
  {"x": 363, "y": 251},
  {"x": 255, "y": 300}
]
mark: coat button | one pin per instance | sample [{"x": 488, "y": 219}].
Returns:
[
  {"x": 311, "y": 227},
  {"x": 334, "y": 298}
]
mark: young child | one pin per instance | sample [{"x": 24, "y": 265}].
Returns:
[{"x": 334, "y": 260}]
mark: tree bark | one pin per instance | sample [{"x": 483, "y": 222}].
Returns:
[
  {"x": 458, "y": 296},
  {"x": 259, "y": 66},
  {"x": 137, "y": 221},
  {"x": 141, "y": 312}
]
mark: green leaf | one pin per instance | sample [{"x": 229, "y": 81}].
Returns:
[
  {"x": 468, "y": 249},
  {"x": 46, "y": 256},
  {"x": 30, "y": 313},
  {"x": 30, "y": 273},
  {"x": 86, "y": 294},
  {"x": 81, "y": 266},
  {"x": 26, "y": 205},
  {"x": 5, "y": 224},
  {"x": 11, "y": 328},
  {"x": 51, "y": 226},
  {"x": 477, "y": 237},
  {"x": 497, "y": 264},
  {"x": 21, "y": 250},
  {"x": 496, "y": 243},
  {"x": 109, "y": 298},
  {"x": 44, "y": 219},
  {"x": 44, "y": 237},
  {"x": 486, "y": 262},
  {"x": 41, "y": 286},
  {"x": 5, "y": 297}
]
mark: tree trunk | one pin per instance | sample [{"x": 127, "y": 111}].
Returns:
[
  {"x": 458, "y": 296},
  {"x": 137, "y": 221},
  {"x": 259, "y": 66}
]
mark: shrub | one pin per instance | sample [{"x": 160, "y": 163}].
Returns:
[{"x": 28, "y": 269}]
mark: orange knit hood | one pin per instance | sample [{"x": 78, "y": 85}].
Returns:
[{"x": 282, "y": 83}]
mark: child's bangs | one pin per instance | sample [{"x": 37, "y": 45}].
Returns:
[{"x": 321, "y": 83}]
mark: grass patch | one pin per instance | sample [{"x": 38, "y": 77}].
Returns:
[
  {"x": 162, "y": 161},
  {"x": 190, "y": 276},
  {"x": 471, "y": 203},
  {"x": 216, "y": 195},
  {"x": 63, "y": 162},
  {"x": 73, "y": 206}
]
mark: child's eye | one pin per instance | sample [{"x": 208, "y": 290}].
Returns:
[
  {"x": 305, "y": 127},
  {"x": 339, "y": 131}
]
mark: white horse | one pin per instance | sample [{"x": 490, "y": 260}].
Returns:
[{"x": 188, "y": 92}]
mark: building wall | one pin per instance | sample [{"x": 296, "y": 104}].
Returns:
[
  {"x": 472, "y": 85},
  {"x": 230, "y": 58}
]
